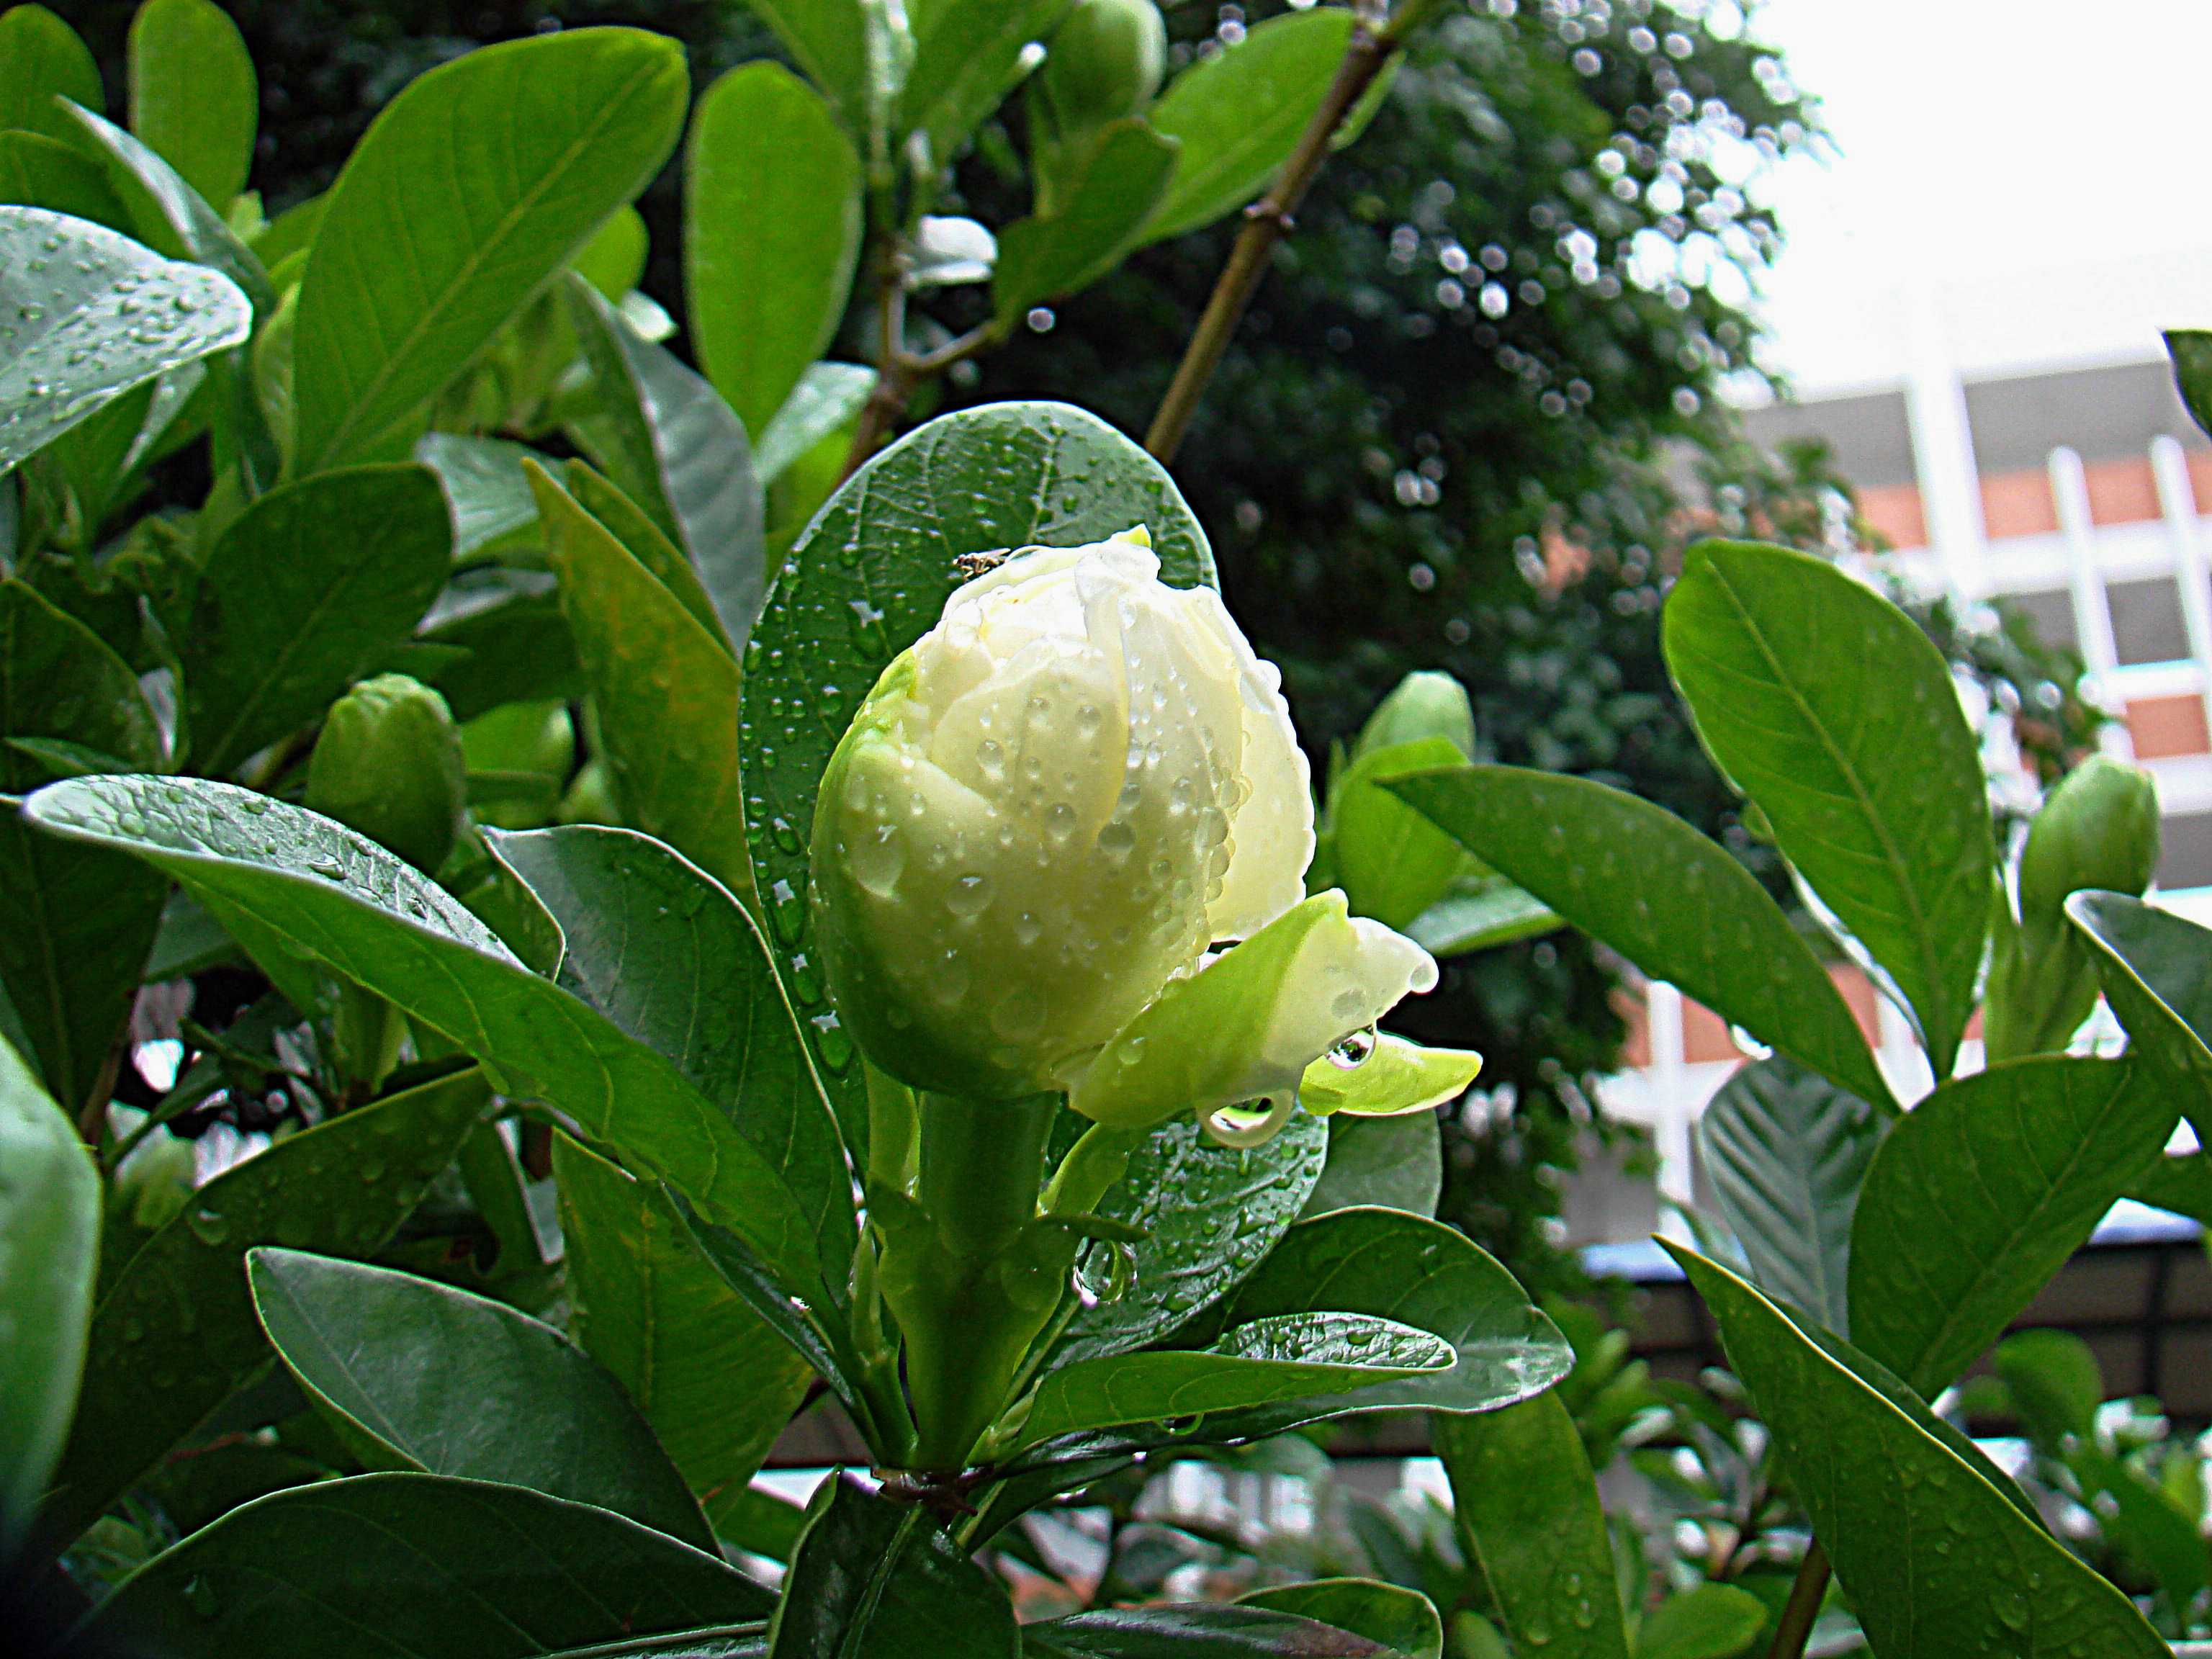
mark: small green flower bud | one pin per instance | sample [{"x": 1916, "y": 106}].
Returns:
[
  {"x": 388, "y": 764},
  {"x": 2099, "y": 830},
  {"x": 1426, "y": 704},
  {"x": 1104, "y": 62}
]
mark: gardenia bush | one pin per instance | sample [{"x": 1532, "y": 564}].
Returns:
[{"x": 946, "y": 1026}]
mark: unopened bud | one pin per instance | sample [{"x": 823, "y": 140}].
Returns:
[
  {"x": 2098, "y": 831},
  {"x": 1426, "y": 704},
  {"x": 1104, "y": 62},
  {"x": 388, "y": 764}
]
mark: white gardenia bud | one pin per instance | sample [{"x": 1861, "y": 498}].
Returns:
[{"x": 1056, "y": 802}]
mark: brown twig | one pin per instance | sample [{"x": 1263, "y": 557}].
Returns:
[
  {"x": 1803, "y": 1606},
  {"x": 1374, "y": 40}
]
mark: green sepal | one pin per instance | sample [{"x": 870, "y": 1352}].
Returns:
[{"x": 1395, "y": 1076}]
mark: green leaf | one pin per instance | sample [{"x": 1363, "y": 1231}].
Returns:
[
  {"x": 2150, "y": 1526},
  {"x": 346, "y": 904},
  {"x": 772, "y": 234},
  {"x": 41, "y": 57},
  {"x": 874, "y": 1579},
  {"x": 80, "y": 341},
  {"x": 193, "y": 95},
  {"x": 871, "y": 575},
  {"x": 828, "y": 40},
  {"x": 645, "y": 541},
  {"x": 2182, "y": 1184},
  {"x": 2156, "y": 971},
  {"x": 1239, "y": 115},
  {"x": 1936, "y": 1556},
  {"x": 49, "y": 1249},
  {"x": 36, "y": 171},
  {"x": 678, "y": 452},
  {"x": 175, "y": 1334},
  {"x": 1808, "y": 687},
  {"x": 1283, "y": 1357},
  {"x": 1980, "y": 1194},
  {"x": 1122, "y": 179},
  {"x": 1479, "y": 916},
  {"x": 1403, "y": 1620},
  {"x": 1178, "y": 1187},
  {"x": 1713, "y": 1621},
  {"x": 827, "y": 396},
  {"x": 518, "y": 644},
  {"x": 167, "y": 213},
  {"x": 416, "y": 1565},
  {"x": 1528, "y": 1507},
  {"x": 1193, "y": 1632},
  {"x": 716, "y": 1384},
  {"x": 670, "y": 957},
  {"x": 2055, "y": 1384},
  {"x": 665, "y": 691},
  {"x": 1390, "y": 1264},
  {"x": 1391, "y": 1163},
  {"x": 304, "y": 594},
  {"x": 2190, "y": 350},
  {"x": 1392, "y": 862},
  {"x": 1787, "y": 1152},
  {"x": 486, "y": 488},
  {"x": 493, "y": 171},
  {"x": 438, "y": 1380},
  {"x": 967, "y": 57},
  {"x": 1676, "y": 904},
  {"x": 76, "y": 925}
]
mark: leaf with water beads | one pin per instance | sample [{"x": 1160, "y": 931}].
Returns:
[{"x": 86, "y": 314}]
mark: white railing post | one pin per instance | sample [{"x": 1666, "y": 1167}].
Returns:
[
  {"x": 2093, "y": 611},
  {"x": 2177, "y": 500}
]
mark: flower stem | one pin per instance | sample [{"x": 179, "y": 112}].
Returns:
[
  {"x": 1803, "y": 1606},
  {"x": 1372, "y": 44}
]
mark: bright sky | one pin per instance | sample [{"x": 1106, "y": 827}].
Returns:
[{"x": 2038, "y": 171}]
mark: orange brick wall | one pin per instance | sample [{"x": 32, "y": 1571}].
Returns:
[
  {"x": 2122, "y": 492},
  {"x": 2018, "y": 503},
  {"x": 2164, "y": 726},
  {"x": 1895, "y": 510}
]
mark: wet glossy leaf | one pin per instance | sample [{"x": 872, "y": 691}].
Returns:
[
  {"x": 772, "y": 234},
  {"x": 874, "y": 1579},
  {"x": 666, "y": 689},
  {"x": 493, "y": 171},
  {"x": 1937, "y": 1557},
  {"x": 194, "y": 97},
  {"x": 1401, "y": 1619},
  {"x": 1123, "y": 180},
  {"x": 75, "y": 924},
  {"x": 873, "y": 571},
  {"x": 49, "y": 1250},
  {"x": 1194, "y": 1631},
  {"x": 306, "y": 591},
  {"x": 93, "y": 314},
  {"x": 520, "y": 649},
  {"x": 1280, "y": 1357},
  {"x": 967, "y": 57},
  {"x": 36, "y": 171},
  {"x": 175, "y": 1334},
  {"x": 1393, "y": 1265},
  {"x": 1808, "y": 687},
  {"x": 1713, "y": 1621},
  {"x": 1239, "y": 115},
  {"x": 1979, "y": 1194},
  {"x": 40, "y": 55},
  {"x": 2182, "y": 1184},
  {"x": 446, "y": 1383},
  {"x": 673, "y": 447},
  {"x": 349, "y": 907},
  {"x": 485, "y": 486},
  {"x": 715, "y": 1383},
  {"x": 437, "y": 1568},
  {"x": 1210, "y": 1215},
  {"x": 1527, "y": 1505},
  {"x": 670, "y": 957},
  {"x": 1479, "y": 915},
  {"x": 1787, "y": 1152},
  {"x": 1392, "y": 862},
  {"x": 1392, "y": 1163},
  {"x": 827, "y": 396},
  {"x": 2156, "y": 971},
  {"x": 1672, "y": 901}
]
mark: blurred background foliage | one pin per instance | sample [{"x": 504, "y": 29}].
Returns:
[{"x": 1471, "y": 419}]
